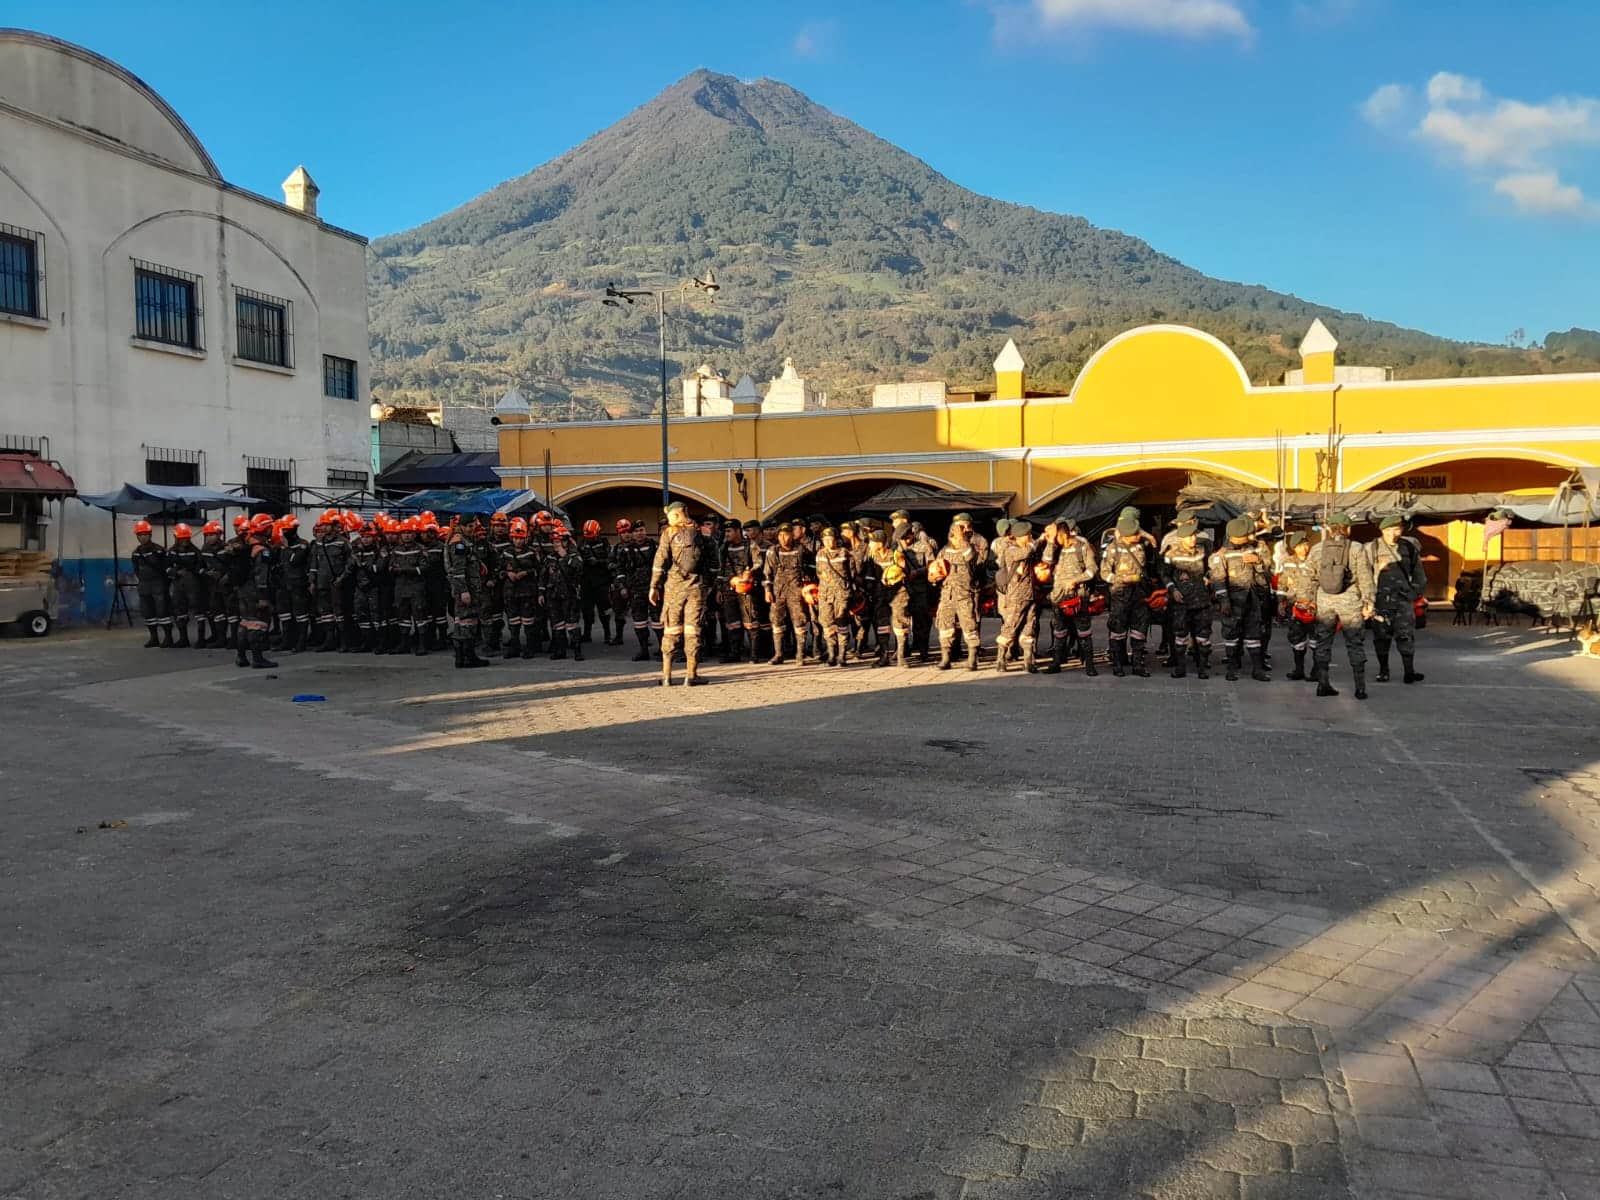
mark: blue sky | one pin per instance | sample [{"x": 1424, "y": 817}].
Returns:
[{"x": 1431, "y": 162}]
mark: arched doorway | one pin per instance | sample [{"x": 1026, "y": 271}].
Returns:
[
  {"x": 610, "y": 503},
  {"x": 1097, "y": 500}
]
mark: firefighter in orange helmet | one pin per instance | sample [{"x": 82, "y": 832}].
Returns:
[
  {"x": 187, "y": 567},
  {"x": 595, "y": 556},
  {"x": 520, "y": 567},
  {"x": 150, "y": 575},
  {"x": 255, "y": 594}
]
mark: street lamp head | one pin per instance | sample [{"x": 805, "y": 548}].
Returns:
[{"x": 709, "y": 283}]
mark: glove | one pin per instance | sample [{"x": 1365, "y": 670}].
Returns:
[{"x": 655, "y": 596}]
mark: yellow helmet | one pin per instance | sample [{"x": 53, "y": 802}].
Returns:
[{"x": 893, "y": 574}]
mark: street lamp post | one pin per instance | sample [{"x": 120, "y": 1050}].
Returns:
[{"x": 616, "y": 298}]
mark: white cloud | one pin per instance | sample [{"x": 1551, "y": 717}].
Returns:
[
  {"x": 815, "y": 39},
  {"x": 1516, "y": 143},
  {"x": 1448, "y": 88},
  {"x": 1167, "y": 18},
  {"x": 1387, "y": 105},
  {"x": 1542, "y": 194}
]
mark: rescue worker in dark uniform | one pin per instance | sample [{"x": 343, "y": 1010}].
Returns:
[
  {"x": 1297, "y": 601},
  {"x": 1127, "y": 565},
  {"x": 329, "y": 566},
  {"x": 1267, "y": 536},
  {"x": 630, "y": 573},
  {"x": 213, "y": 550},
  {"x": 676, "y": 586},
  {"x": 736, "y": 588},
  {"x": 855, "y": 540},
  {"x": 1015, "y": 556},
  {"x": 368, "y": 564},
  {"x": 561, "y": 594},
  {"x": 255, "y": 595},
  {"x": 710, "y": 568},
  {"x": 1072, "y": 574},
  {"x": 1239, "y": 580},
  {"x": 1189, "y": 599},
  {"x": 519, "y": 574},
  {"x": 783, "y": 575},
  {"x": 836, "y": 580},
  {"x": 1344, "y": 601},
  {"x": 616, "y": 591},
  {"x": 294, "y": 586},
  {"x": 467, "y": 574},
  {"x": 407, "y": 562},
  {"x": 435, "y": 584},
  {"x": 1399, "y": 581},
  {"x": 499, "y": 543},
  {"x": 596, "y": 556},
  {"x": 959, "y": 570},
  {"x": 187, "y": 565},
  {"x": 149, "y": 563}
]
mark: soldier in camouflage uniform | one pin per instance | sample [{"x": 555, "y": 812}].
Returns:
[
  {"x": 958, "y": 595},
  {"x": 1015, "y": 556},
  {"x": 1072, "y": 571},
  {"x": 736, "y": 588},
  {"x": 467, "y": 575},
  {"x": 1128, "y": 565},
  {"x": 783, "y": 575},
  {"x": 1344, "y": 600},
  {"x": 675, "y": 585},
  {"x": 1399, "y": 581},
  {"x": 1239, "y": 579},
  {"x": 836, "y": 580},
  {"x": 1189, "y": 599},
  {"x": 1297, "y": 600},
  {"x": 561, "y": 594}
]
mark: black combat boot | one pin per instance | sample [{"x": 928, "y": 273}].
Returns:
[
  {"x": 1359, "y": 674},
  {"x": 492, "y": 641},
  {"x": 166, "y": 637},
  {"x": 577, "y": 652},
  {"x": 1119, "y": 652},
  {"x": 1258, "y": 667},
  {"x": 1299, "y": 671},
  {"x": 643, "y": 638},
  {"x": 1202, "y": 660},
  {"x": 1180, "y": 667},
  {"x": 469, "y": 655},
  {"x": 1231, "y": 657},
  {"x": 260, "y": 661},
  {"x": 1319, "y": 672},
  {"x": 183, "y": 634},
  {"x": 241, "y": 657},
  {"x": 1057, "y": 649},
  {"x": 154, "y": 641},
  {"x": 461, "y": 656},
  {"x": 325, "y": 643},
  {"x": 1383, "y": 665},
  {"x": 1086, "y": 648},
  {"x": 419, "y": 640},
  {"x": 1412, "y": 675},
  {"x": 514, "y": 642},
  {"x": 1139, "y": 668},
  {"x": 528, "y": 647},
  {"x": 730, "y": 648},
  {"x": 588, "y": 633},
  {"x": 558, "y": 644}
]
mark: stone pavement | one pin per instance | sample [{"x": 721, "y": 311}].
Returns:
[{"x": 1181, "y": 938}]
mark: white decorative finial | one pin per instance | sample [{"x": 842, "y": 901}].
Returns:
[
  {"x": 1010, "y": 358},
  {"x": 1318, "y": 340},
  {"x": 300, "y": 192}
]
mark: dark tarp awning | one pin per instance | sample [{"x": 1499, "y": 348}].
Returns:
[
  {"x": 1088, "y": 505},
  {"x": 150, "y": 500},
  {"x": 21, "y": 472},
  {"x": 914, "y": 497},
  {"x": 417, "y": 470},
  {"x": 479, "y": 501}
]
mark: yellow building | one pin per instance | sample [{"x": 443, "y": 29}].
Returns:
[{"x": 1151, "y": 406}]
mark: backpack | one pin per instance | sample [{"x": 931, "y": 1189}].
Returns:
[{"x": 1332, "y": 570}]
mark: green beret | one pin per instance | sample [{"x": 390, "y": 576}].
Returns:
[
  {"x": 1392, "y": 521},
  {"x": 961, "y": 519},
  {"x": 1001, "y": 525},
  {"x": 1018, "y": 525},
  {"x": 1130, "y": 511},
  {"x": 1128, "y": 526},
  {"x": 1340, "y": 518},
  {"x": 1241, "y": 527}
]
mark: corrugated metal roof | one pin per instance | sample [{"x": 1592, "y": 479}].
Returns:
[{"x": 21, "y": 472}]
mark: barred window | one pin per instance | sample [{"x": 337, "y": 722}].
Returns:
[
  {"x": 265, "y": 331},
  {"x": 338, "y": 377},
  {"x": 21, "y": 271},
  {"x": 270, "y": 481},
  {"x": 350, "y": 481},
  {"x": 166, "y": 472},
  {"x": 166, "y": 306}
]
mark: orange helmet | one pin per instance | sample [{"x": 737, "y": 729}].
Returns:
[
  {"x": 427, "y": 517},
  {"x": 182, "y": 532},
  {"x": 591, "y": 529},
  {"x": 519, "y": 528},
  {"x": 1157, "y": 601},
  {"x": 141, "y": 526},
  {"x": 811, "y": 592},
  {"x": 329, "y": 516},
  {"x": 351, "y": 521},
  {"x": 289, "y": 522},
  {"x": 211, "y": 527},
  {"x": 1041, "y": 572},
  {"x": 938, "y": 570},
  {"x": 559, "y": 529},
  {"x": 239, "y": 522},
  {"x": 261, "y": 523},
  {"x": 542, "y": 517},
  {"x": 500, "y": 518},
  {"x": 624, "y": 526}
]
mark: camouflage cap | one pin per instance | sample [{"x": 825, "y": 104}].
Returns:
[
  {"x": 1340, "y": 518},
  {"x": 1001, "y": 525},
  {"x": 1020, "y": 525}
]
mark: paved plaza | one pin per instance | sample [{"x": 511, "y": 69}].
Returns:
[{"x": 547, "y": 930}]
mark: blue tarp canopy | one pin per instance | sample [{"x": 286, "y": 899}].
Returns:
[
  {"x": 150, "y": 500},
  {"x": 418, "y": 470},
  {"x": 467, "y": 502}
]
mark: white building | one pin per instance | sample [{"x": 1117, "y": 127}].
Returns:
[
  {"x": 158, "y": 324},
  {"x": 707, "y": 393},
  {"x": 791, "y": 393}
]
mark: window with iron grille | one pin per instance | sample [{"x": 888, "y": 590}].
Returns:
[
  {"x": 265, "y": 332},
  {"x": 269, "y": 480},
  {"x": 338, "y": 377},
  {"x": 166, "y": 472},
  {"x": 21, "y": 271},
  {"x": 350, "y": 481},
  {"x": 166, "y": 306}
]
